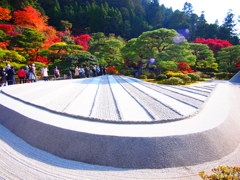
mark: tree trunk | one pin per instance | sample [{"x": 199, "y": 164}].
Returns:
[{"x": 140, "y": 67}]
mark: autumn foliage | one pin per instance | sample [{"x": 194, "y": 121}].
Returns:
[
  {"x": 5, "y": 14},
  {"x": 30, "y": 18},
  {"x": 184, "y": 67},
  {"x": 112, "y": 70},
  {"x": 7, "y": 28},
  {"x": 3, "y": 45},
  {"x": 214, "y": 44},
  {"x": 238, "y": 64},
  {"x": 82, "y": 40},
  {"x": 33, "y": 19}
]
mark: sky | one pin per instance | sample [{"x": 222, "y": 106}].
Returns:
[{"x": 213, "y": 9}]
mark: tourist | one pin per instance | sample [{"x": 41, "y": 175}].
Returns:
[
  {"x": 81, "y": 72},
  {"x": 104, "y": 70},
  {"x": 76, "y": 73},
  {"x": 97, "y": 70},
  {"x": 69, "y": 74},
  {"x": 10, "y": 76},
  {"x": 3, "y": 77},
  {"x": 32, "y": 74},
  {"x": 6, "y": 70},
  {"x": 101, "y": 70},
  {"x": 56, "y": 73},
  {"x": 94, "y": 70},
  {"x": 27, "y": 74},
  {"x": 34, "y": 68},
  {"x": 21, "y": 75},
  {"x": 87, "y": 72},
  {"x": 45, "y": 73}
]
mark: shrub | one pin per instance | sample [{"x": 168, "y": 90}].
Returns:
[
  {"x": 143, "y": 76},
  {"x": 184, "y": 77},
  {"x": 194, "y": 76},
  {"x": 222, "y": 172},
  {"x": 172, "y": 74},
  {"x": 145, "y": 72},
  {"x": 224, "y": 75},
  {"x": 151, "y": 76},
  {"x": 173, "y": 81},
  {"x": 161, "y": 77},
  {"x": 112, "y": 70}
]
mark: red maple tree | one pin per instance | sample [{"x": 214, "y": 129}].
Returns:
[
  {"x": 5, "y": 14},
  {"x": 238, "y": 64},
  {"x": 184, "y": 67},
  {"x": 51, "y": 40},
  {"x": 214, "y": 44},
  {"x": 112, "y": 70},
  {"x": 3, "y": 45},
  {"x": 82, "y": 40},
  {"x": 7, "y": 28},
  {"x": 31, "y": 18}
]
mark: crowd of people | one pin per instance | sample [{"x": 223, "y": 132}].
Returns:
[
  {"x": 82, "y": 72},
  {"x": 28, "y": 74}
]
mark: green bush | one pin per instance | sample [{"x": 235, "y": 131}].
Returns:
[
  {"x": 173, "y": 81},
  {"x": 184, "y": 77},
  {"x": 161, "y": 77},
  {"x": 194, "y": 77},
  {"x": 151, "y": 76},
  {"x": 222, "y": 172},
  {"x": 224, "y": 75},
  {"x": 143, "y": 77},
  {"x": 172, "y": 74}
]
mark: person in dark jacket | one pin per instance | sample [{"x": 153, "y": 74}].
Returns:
[
  {"x": 87, "y": 71},
  {"x": 69, "y": 74},
  {"x": 10, "y": 76},
  {"x": 3, "y": 76}
]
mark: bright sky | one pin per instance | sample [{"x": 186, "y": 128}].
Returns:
[{"x": 214, "y": 9}]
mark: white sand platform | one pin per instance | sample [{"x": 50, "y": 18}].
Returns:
[{"x": 124, "y": 122}]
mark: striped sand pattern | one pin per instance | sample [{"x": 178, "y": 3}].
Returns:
[{"x": 114, "y": 98}]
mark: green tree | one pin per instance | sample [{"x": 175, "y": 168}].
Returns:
[
  {"x": 83, "y": 58},
  {"x": 3, "y": 36},
  {"x": 107, "y": 49},
  {"x": 148, "y": 45},
  {"x": 26, "y": 41},
  {"x": 188, "y": 8},
  {"x": 11, "y": 57},
  {"x": 228, "y": 57},
  {"x": 62, "y": 50},
  {"x": 69, "y": 48},
  {"x": 227, "y": 30},
  {"x": 66, "y": 24},
  {"x": 71, "y": 60},
  {"x": 154, "y": 14},
  {"x": 205, "y": 60},
  {"x": 178, "y": 20},
  {"x": 168, "y": 59}
]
